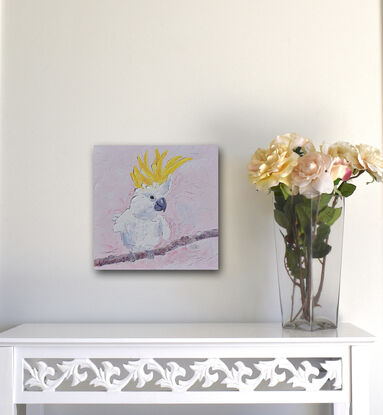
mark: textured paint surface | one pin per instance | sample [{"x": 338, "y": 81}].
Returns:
[{"x": 192, "y": 204}]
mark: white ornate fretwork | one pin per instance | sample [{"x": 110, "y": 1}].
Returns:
[{"x": 176, "y": 378}]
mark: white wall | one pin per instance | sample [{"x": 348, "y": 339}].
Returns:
[{"x": 233, "y": 73}]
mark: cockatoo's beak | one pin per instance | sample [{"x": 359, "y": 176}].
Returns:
[{"x": 160, "y": 204}]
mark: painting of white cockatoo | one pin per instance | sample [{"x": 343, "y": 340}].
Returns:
[
  {"x": 155, "y": 207},
  {"x": 142, "y": 226}
]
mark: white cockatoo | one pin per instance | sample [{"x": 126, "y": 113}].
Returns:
[{"x": 142, "y": 226}]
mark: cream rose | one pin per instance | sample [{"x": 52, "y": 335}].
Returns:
[
  {"x": 343, "y": 150},
  {"x": 293, "y": 141},
  {"x": 312, "y": 175},
  {"x": 371, "y": 159},
  {"x": 269, "y": 167}
]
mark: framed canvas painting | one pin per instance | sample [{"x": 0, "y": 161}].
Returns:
[{"x": 155, "y": 207}]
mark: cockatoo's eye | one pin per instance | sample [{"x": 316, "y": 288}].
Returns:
[{"x": 151, "y": 197}]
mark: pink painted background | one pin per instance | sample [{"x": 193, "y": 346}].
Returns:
[{"x": 192, "y": 204}]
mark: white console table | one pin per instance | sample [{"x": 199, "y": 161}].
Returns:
[{"x": 183, "y": 364}]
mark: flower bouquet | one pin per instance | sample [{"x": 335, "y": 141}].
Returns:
[{"x": 309, "y": 187}]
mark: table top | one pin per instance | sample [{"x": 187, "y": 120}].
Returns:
[{"x": 177, "y": 333}]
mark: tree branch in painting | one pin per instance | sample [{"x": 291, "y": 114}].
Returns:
[{"x": 132, "y": 257}]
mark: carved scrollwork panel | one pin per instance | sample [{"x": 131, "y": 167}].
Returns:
[{"x": 245, "y": 375}]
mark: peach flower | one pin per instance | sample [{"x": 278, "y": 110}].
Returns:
[{"x": 312, "y": 175}]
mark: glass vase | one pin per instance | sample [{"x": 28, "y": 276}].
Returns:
[{"x": 308, "y": 239}]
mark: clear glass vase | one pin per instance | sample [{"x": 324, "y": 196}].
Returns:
[{"x": 308, "y": 239}]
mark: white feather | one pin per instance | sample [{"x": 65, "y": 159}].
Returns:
[{"x": 141, "y": 226}]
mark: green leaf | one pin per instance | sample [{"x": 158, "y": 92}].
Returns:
[
  {"x": 285, "y": 190},
  {"x": 324, "y": 200},
  {"x": 288, "y": 211},
  {"x": 303, "y": 213},
  {"x": 299, "y": 151},
  {"x": 346, "y": 189},
  {"x": 278, "y": 197},
  {"x": 304, "y": 201},
  {"x": 281, "y": 219},
  {"x": 292, "y": 260},
  {"x": 329, "y": 215},
  {"x": 323, "y": 231},
  {"x": 337, "y": 192},
  {"x": 320, "y": 248}
]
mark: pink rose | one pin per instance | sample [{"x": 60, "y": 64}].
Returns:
[
  {"x": 312, "y": 175},
  {"x": 340, "y": 169}
]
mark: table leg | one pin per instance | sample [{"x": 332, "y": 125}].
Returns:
[
  {"x": 7, "y": 406},
  {"x": 360, "y": 397}
]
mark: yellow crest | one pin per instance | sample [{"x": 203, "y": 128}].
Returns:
[{"x": 147, "y": 176}]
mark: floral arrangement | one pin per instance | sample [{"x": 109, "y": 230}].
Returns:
[
  {"x": 292, "y": 163},
  {"x": 309, "y": 186}
]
